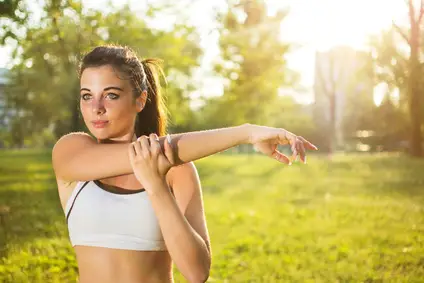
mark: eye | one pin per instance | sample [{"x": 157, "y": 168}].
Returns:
[
  {"x": 112, "y": 96},
  {"x": 85, "y": 96}
]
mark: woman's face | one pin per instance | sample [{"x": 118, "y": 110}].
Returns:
[{"x": 107, "y": 104}]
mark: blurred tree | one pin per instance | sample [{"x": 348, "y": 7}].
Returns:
[
  {"x": 8, "y": 9},
  {"x": 12, "y": 13},
  {"x": 360, "y": 110},
  {"x": 44, "y": 92},
  {"x": 252, "y": 62},
  {"x": 328, "y": 70},
  {"x": 343, "y": 96},
  {"x": 404, "y": 70},
  {"x": 288, "y": 114},
  {"x": 391, "y": 124}
]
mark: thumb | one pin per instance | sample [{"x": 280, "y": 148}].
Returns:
[
  {"x": 281, "y": 157},
  {"x": 169, "y": 153}
]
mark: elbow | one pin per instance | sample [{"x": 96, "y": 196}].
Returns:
[
  {"x": 199, "y": 276},
  {"x": 201, "y": 273},
  {"x": 204, "y": 278}
]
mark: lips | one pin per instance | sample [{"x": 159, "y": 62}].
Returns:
[{"x": 100, "y": 123}]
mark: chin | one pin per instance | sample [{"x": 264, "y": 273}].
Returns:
[{"x": 100, "y": 135}]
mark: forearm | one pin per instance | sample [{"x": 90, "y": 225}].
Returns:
[
  {"x": 187, "y": 249},
  {"x": 195, "y": 145}
]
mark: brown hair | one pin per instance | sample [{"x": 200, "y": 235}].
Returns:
[{"x": 144, "y": 75}]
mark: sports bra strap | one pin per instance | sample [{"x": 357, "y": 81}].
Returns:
[{"x": 73, "y": 202}]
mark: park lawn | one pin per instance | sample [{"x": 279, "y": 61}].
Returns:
[{"x": 358, "y": 218}]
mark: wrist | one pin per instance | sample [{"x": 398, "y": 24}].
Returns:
[
  {"x": 156, "y": 185},
  {"x": 246, "y": 133}
]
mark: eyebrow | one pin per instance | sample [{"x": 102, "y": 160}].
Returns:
[{"x": 105, "y": 89}]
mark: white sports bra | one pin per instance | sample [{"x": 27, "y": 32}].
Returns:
[{"x": 118, "y": 219}]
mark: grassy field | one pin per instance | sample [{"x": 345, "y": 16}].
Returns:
[{"x": 358, "y": 218}]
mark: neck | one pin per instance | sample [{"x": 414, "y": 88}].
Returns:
[{"x": 123, "y": 139}]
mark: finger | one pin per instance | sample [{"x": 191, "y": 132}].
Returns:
[
  {"x": 294, "y": 149},
  {"x": 291, "y": 139},
  {"x": 299, "y": 149},
  {"x": 280, "y": 157},
  {"x": 169, "y": 153},
  {"x": 137, "y": 147},
  {"x": 131, "y": 151},
  {"x": 145, "y": 146},
  {"x": 294, "y": 152},
  {"x": 302, "y": 152},
  {"x": 307, "y": 144},
  {"x": 154, "y": 144}
]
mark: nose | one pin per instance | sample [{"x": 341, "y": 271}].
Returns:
[{"x": 98, "y": 106}]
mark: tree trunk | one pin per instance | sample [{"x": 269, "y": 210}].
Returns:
[
  {"x": 332, "y": 138},
  {"x": 415, "y": 115},
  {"x": 414, "y": 91}
]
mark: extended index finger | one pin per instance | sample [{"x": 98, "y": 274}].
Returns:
[{"x": 307, "y": 144}]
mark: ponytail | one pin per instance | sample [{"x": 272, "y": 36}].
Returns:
[{"x": 153, "y": 117}]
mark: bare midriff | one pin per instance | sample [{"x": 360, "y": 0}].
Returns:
[{"x": 105, "y": 265}]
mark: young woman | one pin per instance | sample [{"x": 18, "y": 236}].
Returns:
[{"x": 132, "y": 196}]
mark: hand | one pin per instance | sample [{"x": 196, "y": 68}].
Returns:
[
  {"x": 266, "y": 139},
  {"x": 148, "y": 162}
]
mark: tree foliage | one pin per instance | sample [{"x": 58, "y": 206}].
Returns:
[
  {"x": 252, "y": 62},
  {"x": 398, "y": 62}
]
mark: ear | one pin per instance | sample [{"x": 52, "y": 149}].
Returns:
[{"x": 141, "y": 101}]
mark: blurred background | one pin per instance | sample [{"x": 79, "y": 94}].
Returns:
[{"x": 346, "y": 75}]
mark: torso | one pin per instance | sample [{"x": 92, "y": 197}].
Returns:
[{"x": 97, "y": 264}]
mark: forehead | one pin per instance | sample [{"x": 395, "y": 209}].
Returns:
[{"x": 103, "y": 76}]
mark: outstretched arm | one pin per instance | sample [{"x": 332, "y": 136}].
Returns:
[{"x": 77, "y": 157}]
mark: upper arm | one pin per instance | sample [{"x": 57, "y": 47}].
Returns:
[
  {"x": 186, "y": 184},
  {"x": 65, "y": 150},
  {"x": 78, "y": 157}
]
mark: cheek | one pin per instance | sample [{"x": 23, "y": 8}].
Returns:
[
  {"x": 85, "y": 108},
  {"x": 119, "y": 110}
]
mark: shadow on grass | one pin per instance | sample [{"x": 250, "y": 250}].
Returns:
[{"x": 381, "y": 174}]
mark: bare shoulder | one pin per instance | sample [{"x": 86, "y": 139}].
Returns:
[
  {"x": 68, "y": 144},
  {"x": 66, "y": 147},
  {"x": 185, "y": 182},
  {"x": 71, "y": 138},
  {"x": 182, "y": 173}
]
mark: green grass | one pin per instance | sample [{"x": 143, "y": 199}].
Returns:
[{"x": 358, "y": 218}]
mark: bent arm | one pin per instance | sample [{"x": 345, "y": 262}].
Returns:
[
  {"x": 183, "y": 223},
  {"x": 78, "y": 157}
]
